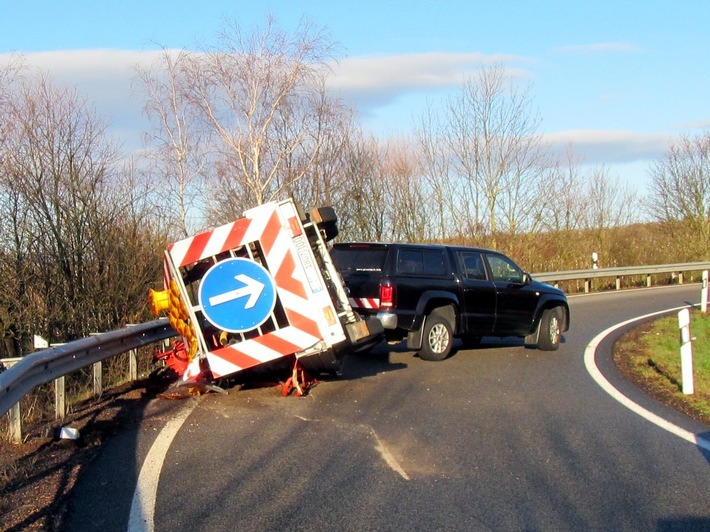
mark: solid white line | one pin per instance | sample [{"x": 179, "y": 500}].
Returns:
[
  {"x": 591, "y": 365},
  {"x": 141, "y": 518}
]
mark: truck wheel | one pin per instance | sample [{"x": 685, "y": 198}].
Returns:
[
  {"x": 437, "y": 339},
  {"x": 550, "y": 330}
]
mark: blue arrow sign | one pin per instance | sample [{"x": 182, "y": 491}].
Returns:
[{"x": 237, "y": 295}]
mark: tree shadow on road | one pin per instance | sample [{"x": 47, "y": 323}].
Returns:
[{"x": 703, "y": 440}]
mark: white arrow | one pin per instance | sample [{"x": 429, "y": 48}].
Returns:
[{"x": 252, "y": 289}]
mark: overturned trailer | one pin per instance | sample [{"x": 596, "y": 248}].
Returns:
[{"x": 258, "y": 290}]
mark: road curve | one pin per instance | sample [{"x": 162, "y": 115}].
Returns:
[{"x": 496, "y": 438}]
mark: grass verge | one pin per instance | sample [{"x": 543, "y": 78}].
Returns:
[{"x": 649, "y": 355}]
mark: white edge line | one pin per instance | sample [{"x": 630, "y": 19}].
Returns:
[
  {"x": 141, "y": 518},
  {"x": 593, "y": 370}
]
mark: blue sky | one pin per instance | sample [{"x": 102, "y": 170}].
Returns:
[{"x": 616, "y": 80}]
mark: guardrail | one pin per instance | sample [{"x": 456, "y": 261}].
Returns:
[
  {"x": 54, "y": 363},
  {"x": 620, "y": 272}
]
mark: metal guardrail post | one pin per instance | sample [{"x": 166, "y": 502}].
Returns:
[
  {"x": 98, "y": 378},
  {"x": 60, "y": 396},
  {"x": 15, "y": 422},
  {"x": 132, "y": 365}
]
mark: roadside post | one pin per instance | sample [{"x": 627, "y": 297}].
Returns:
[
  {"x": 704, "y": 293},
  {"x": 686, "y": 351}
]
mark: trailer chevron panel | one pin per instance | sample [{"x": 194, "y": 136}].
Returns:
[{"x": 259, "y": 289}]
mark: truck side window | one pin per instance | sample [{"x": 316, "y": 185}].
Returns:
[
  {"x": 410, "y": 261},
  {"x": 503, "y": 269},
  {"x": 434, "y": 262},
  {"x": 472, "y": 265},
  {"x": 421, "y": 262}
]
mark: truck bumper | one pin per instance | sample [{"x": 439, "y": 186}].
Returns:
[{"x": 388, "y": 320}]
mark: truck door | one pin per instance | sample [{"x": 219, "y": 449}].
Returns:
[
  {"x": 516, "y": 301},
  {"x": 479, "y": 294}
]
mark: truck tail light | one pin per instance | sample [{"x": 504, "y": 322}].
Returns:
[{"x": 386, "y": 296}]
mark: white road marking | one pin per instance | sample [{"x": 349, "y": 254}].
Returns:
[
  {"x": 590, "y": 363},
  {"x": 141, "y": 518}
]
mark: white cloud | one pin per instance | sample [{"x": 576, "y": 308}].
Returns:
[
  {"x": 609, "y": 147},
  {"x": 377, "y": 81},
  {"x": 106, "y": 77}
]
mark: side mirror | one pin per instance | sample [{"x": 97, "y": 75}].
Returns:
[{"x": 527, "y": 278}]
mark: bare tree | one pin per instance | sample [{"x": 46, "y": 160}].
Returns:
[
  {"x": 248, "y": 90},
  {"x": 486, "y": 141},
  {"x": 407, "y": 202},
  {"x": 72, "y": 244},
  {"x": 435, "y": 165},
  {"x": 178, "y": 148},
  {"x": 502, "y": 147},
  {"x": 565, "y": 182},
  {"x": 362, "y": 215},
  {"x": 609, "y": 204},
  {"x": 327, "y": 136},
  {"x": 680, "y": 194}
]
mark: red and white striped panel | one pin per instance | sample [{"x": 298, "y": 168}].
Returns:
[
  {"x": 273, "y": 226},
  {"x": 365, "y": 302}
]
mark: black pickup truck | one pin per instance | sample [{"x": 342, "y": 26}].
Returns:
[{"x": 429, "y": 294}]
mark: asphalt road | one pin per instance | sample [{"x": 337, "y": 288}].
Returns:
[{"x": 497, "y": 438}]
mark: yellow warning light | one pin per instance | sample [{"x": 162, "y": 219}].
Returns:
[
  {"x": 159, "y": 301},
  {"x": 178, "y": 317}
]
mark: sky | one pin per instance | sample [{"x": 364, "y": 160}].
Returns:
[{"x": 617, "y": 81}]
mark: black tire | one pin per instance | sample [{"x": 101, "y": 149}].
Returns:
[
  {"x": 437, "y": 338},
  {"x": 550, "y": 330}
]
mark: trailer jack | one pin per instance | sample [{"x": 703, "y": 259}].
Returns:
[{"x": 299, "y": 382}]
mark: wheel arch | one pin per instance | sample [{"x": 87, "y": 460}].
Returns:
[
  {"x": 445, "y": 303},
  {"x": 545, "y": 304}
]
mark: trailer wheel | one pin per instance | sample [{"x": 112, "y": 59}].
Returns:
[
  {"x": 437, "y": 338},
  {"x": 550, "y": 329}
]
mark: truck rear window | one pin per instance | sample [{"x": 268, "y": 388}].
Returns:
[{"x": 359, "y": 259}]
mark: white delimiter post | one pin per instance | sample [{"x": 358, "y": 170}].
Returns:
[
  {"x": 686, "y": 352},
  {"x": 704, "y": 293}
]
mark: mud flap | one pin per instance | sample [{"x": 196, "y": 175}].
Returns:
[
  {"x": 532, "y": 338},
  {"x": 414, "y": 339}
]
